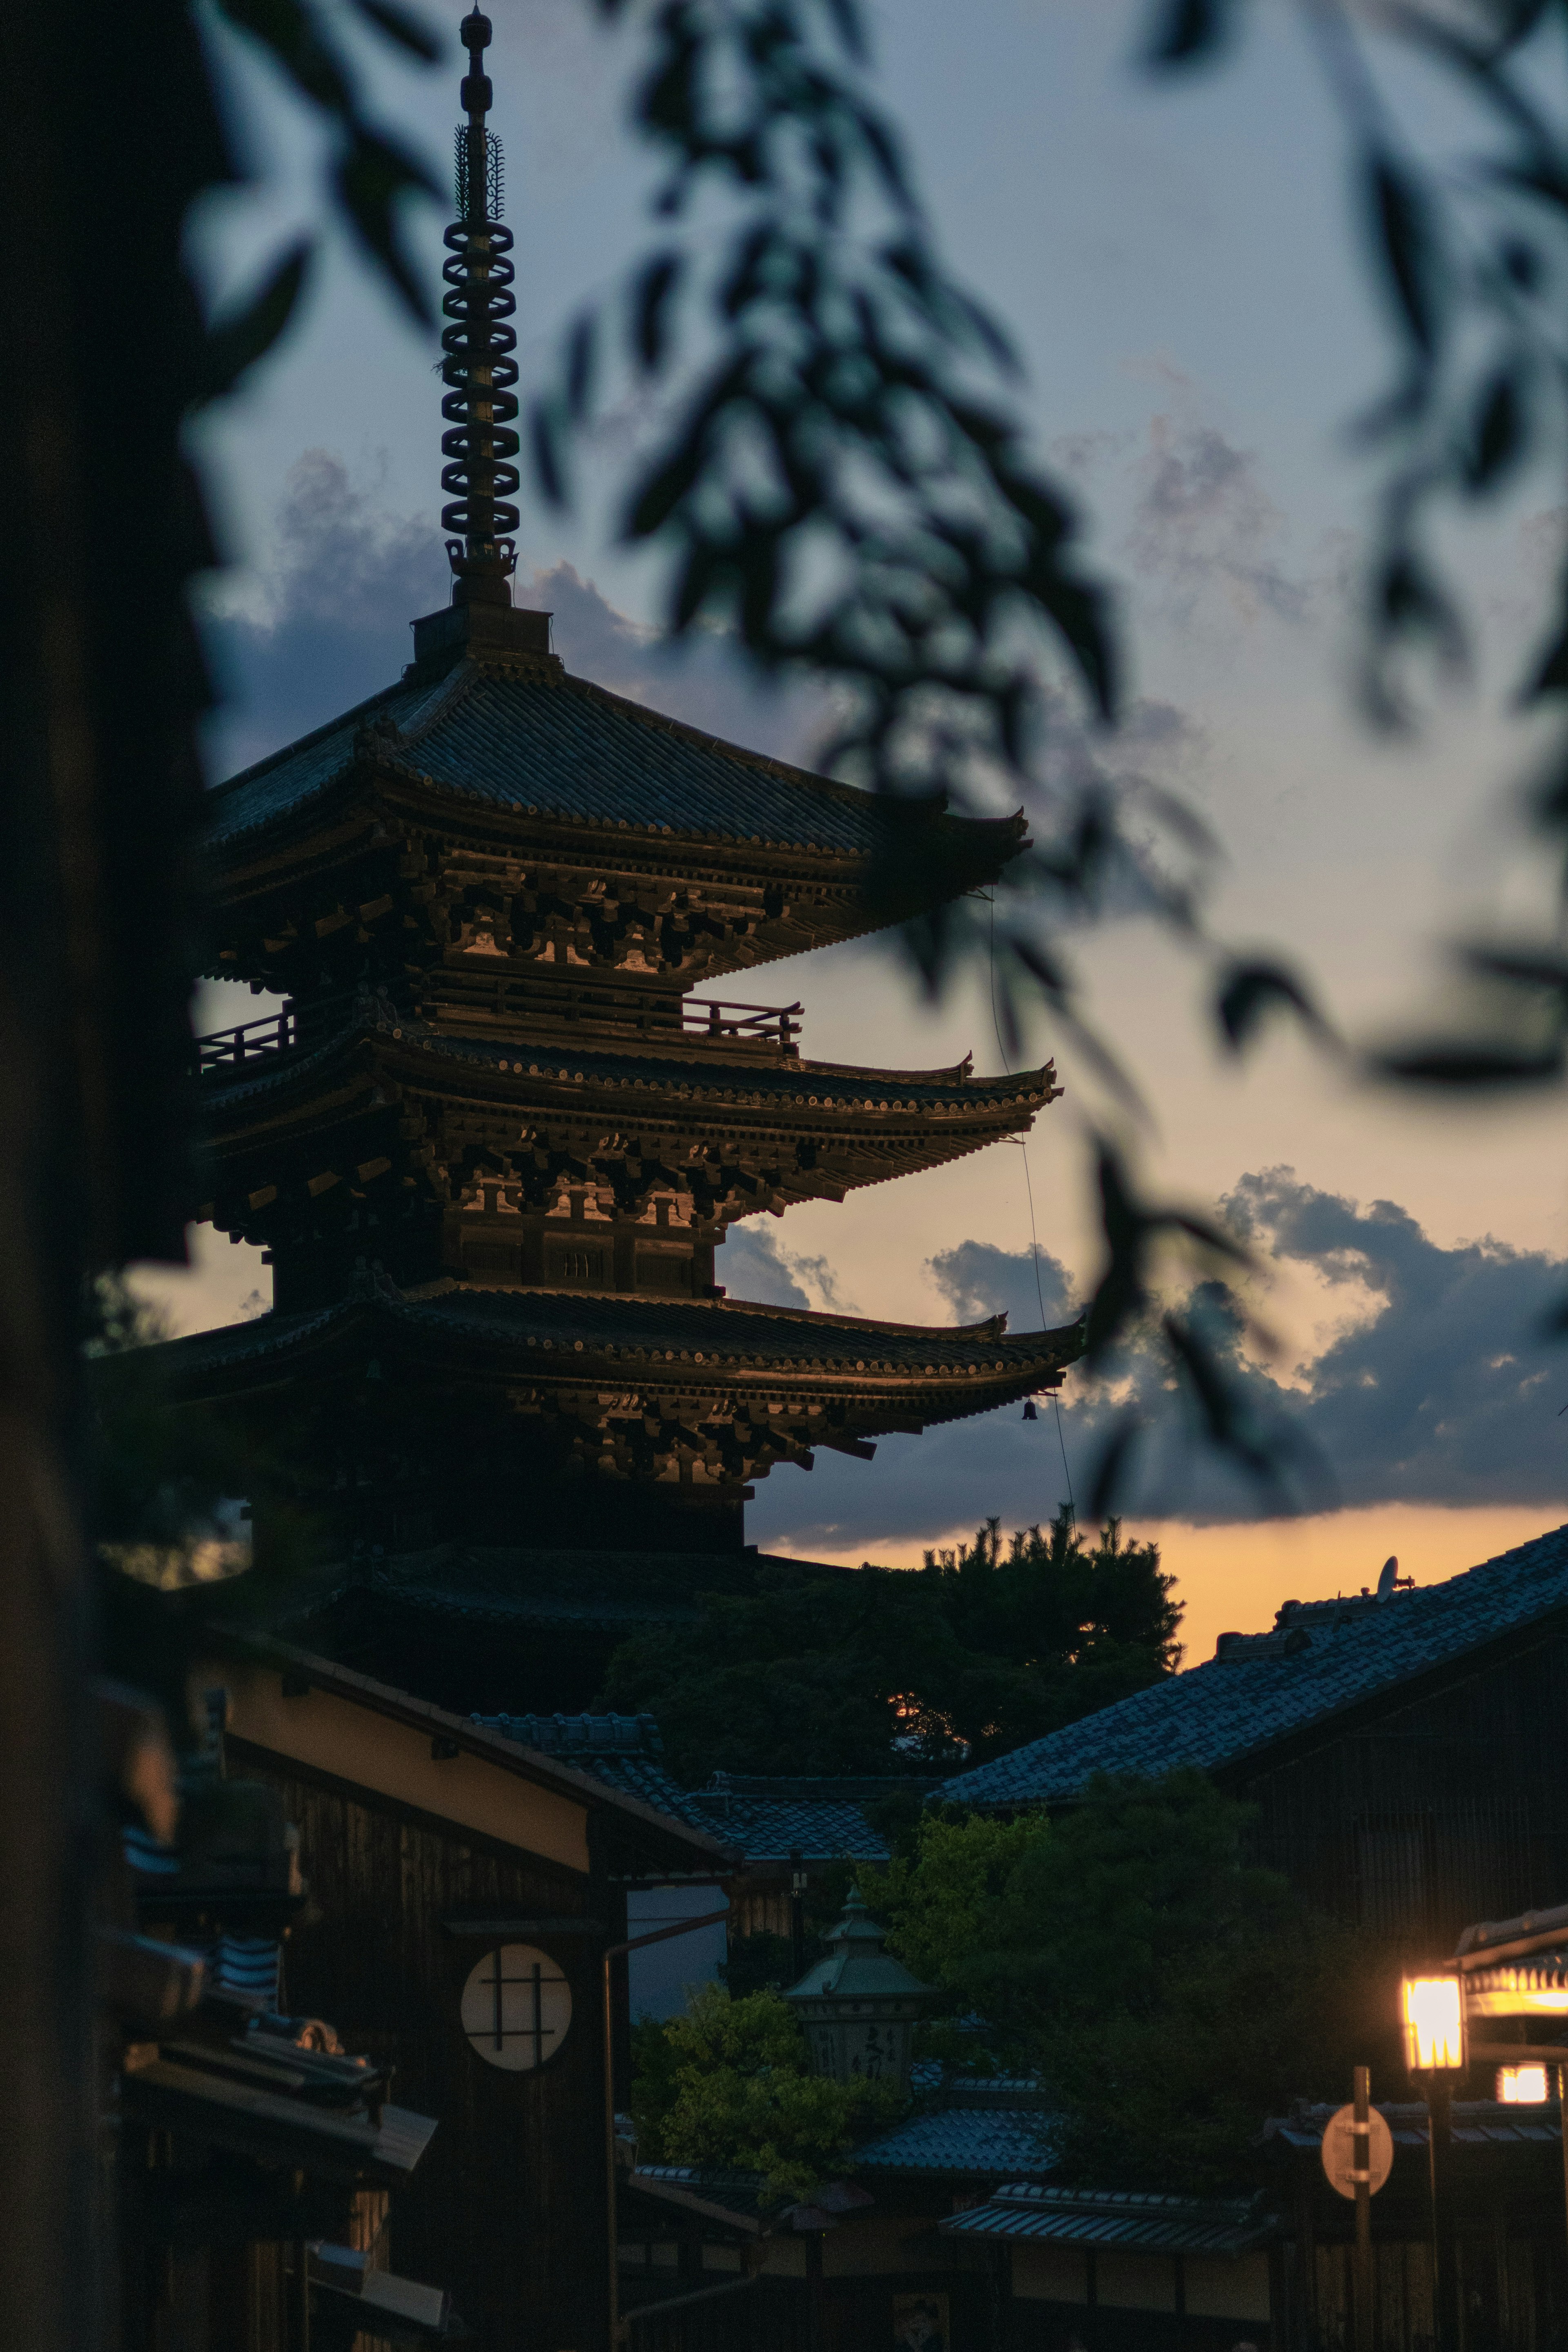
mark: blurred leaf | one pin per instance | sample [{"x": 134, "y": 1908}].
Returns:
[
  {"x": 402, "y": 25},
  {"x": 581, "y": 348},
  {"x": 236, "y": 341},
  {"x": 1405, "y": 236},
  {"x": 544, "y": 435},
  {"x": 288, "y": 30},
  {"x": 1472, "y": 1067},
  {"x": 652, "y": 294},
  {"x": 1551, "y": 673},
  {"x": 1543, "y": 968},
  {"x": 373, "y": 178},
  {"x": 1187, "y": 32},
  {"x": 1111, "y": 1468},
  {"x": 1499, "y": 437},
  {"x": 1249, "y": 991}
]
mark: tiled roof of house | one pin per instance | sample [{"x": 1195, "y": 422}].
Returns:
[
  {"x": 627, "y": 1753},
  {"x": 980, "y": 2142},
  {"x": 1476, "y": 2123},
  {"x": 1095, "y": 2217},
  {"x": 1320, "y": 1658},
  {"x": 526, "y": 737}
]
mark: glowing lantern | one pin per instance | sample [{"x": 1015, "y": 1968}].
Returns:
[{"x": 1433, "y": 2014}]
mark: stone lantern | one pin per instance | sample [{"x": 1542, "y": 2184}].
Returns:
[{"x": 859, "y": 2006}]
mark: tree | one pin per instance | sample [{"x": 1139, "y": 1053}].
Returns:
[
  {"x": 728, "y": 2084},
  {"x": 1170, "y": 1992},
  {"x": 985, "y": 1646}
]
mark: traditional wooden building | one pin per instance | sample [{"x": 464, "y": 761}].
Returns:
[
  {"x": 1407, "y": 1754},
  {"x": 492, "y": 1141},
  {"x": 463, "y": 1891}
]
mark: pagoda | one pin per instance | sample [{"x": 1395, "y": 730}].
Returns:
[{"x": 495, "y": 1138}]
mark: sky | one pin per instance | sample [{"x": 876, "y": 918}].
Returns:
[{"x": 1181, "y": 269}]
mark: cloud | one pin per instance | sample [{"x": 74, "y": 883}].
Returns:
[
  {"x": 1203, "y": 518},
  {"x": 1449, "y": 1391},
  {"x": 702, "y": 680},
  {"x": 1436, "y": 1385},
  {"x": 349, "y": 577},
  {"x": 751, "y": 1264},
  {"x": 978, "y": 1279}
]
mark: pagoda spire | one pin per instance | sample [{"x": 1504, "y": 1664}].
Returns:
[{"x": 477, "y": 369}]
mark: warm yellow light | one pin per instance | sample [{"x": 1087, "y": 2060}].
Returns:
[
  {"x": 1434, "y": 2024},
  {"x": 1523, "y": 2086}
]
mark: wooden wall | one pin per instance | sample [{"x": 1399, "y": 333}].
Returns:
[
  {"x": 1438, "y": 1812},
  {"x": 507, "y": 2209}
]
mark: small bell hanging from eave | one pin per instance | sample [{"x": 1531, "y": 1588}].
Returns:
[{"x": 1030, "y": 1413}]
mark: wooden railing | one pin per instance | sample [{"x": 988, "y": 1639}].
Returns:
[
  {"x": 224, "y": 1048},
  {"x": 714, "y": 1017},
  {"x": 701, "y": 1017}
]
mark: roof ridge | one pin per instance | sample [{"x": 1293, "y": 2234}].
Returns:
[{"x": 306, "y": 742}]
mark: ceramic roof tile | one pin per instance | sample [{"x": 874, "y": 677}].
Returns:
[
  {"x": 675, "y": 1331},
  {"x": 989, "y": 2142},
  {"x": 559, "y": 746},
  {"x": 1476, "y": 2123},
  {"x": 1318, "y": 1660},
  {"x": 627, "y": 1752},
  {"x": 1080, "y": 2217},
  {"x": 796, "y": 1085},
  {"x": 290, "y": 778}
]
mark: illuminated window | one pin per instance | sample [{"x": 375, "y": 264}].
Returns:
[
  {"x": 516, "y": 2009},
  {"x": 1523, "y": 2086}
]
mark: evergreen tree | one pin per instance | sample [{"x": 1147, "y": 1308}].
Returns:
[{"x": 988, "y": 1645}]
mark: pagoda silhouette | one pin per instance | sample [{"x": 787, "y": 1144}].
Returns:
[{"x": 494, "y": 1140}]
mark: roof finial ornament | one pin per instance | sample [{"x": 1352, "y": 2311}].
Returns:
[{"x": 477, "y": 368}]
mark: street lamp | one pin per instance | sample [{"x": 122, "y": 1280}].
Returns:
[
  {"x": 1433, "y": 2016},
  {"x": 1432, "y": 2009}
]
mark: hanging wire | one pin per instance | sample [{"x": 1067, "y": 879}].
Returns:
[{"x": 1029, "y": 1188}]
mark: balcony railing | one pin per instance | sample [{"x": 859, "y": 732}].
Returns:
[
  {"x": 714, "y": 1017},
  {"x": 224, "y": 1048},
  {"x": 701, "y": 1017}
]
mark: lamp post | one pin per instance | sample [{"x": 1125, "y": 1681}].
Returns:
[
  {"x": 859, "y": 2006},
  {"x": 1433, "y": 2015}
]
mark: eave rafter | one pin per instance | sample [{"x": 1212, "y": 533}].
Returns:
[
  {"x": 467, "y": 1125},
  {"x": 709, "y": 1396}
]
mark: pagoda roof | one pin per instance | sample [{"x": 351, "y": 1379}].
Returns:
[
  {"x": 794, "y": 1086},
  {"x": 517, "y": 736},
  {"x": 887, "y": 1372}
]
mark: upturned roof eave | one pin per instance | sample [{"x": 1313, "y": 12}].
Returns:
[
  {"x": 380, "y": 762},
  {"x": 986, "y": 1100},
  {"x": 212, "y": 1364}
]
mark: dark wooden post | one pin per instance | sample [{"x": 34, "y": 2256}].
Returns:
[
  {"x": 816, "y": 2293},
  {"x": 796, "y": 1916},
  {"x": 1360, "y": 2174},
  {"x": 1444, "y": 2270}
]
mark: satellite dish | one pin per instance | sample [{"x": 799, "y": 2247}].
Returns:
[{"x": 1390, "y": 1577}]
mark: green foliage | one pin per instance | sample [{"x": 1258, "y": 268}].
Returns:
[
  {"x": 727, "y": 2084},
  {"x": 947, "y": 1899},
  {"x": 1171, "y": 1993},
  {"x": 986, "y": 1646}
]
